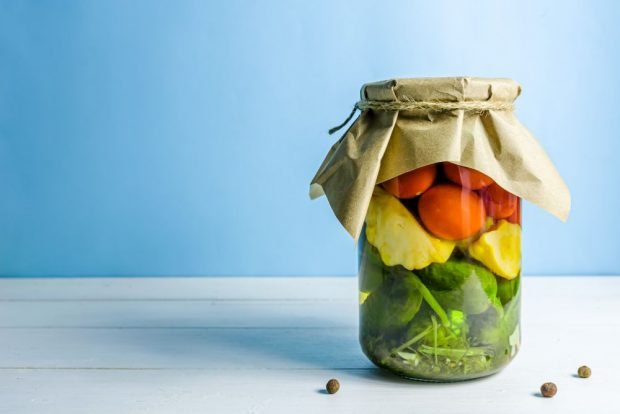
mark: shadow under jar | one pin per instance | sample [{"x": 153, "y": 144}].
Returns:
[{"x": 439, "y": 275}]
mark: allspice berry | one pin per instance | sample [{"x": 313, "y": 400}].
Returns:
[
  {"x": 548, "y": 389},
  {"x": 332, "y": 386},
  {"x": 584, "y": 371}
]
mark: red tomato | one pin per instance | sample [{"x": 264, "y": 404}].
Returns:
[
  {"x": 412, "y": 183},
  {"x": 467, "y": 177},
  {"x": 516, "y": 216},
  {"x": 451, "y": 212},
  {"x": 499, "y": 203}
]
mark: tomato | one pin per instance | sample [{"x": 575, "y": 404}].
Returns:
[
  {"x": 451, "y": 212},
  {"x": 467, "y": 177},
  {"x": 412, "y": 183},
  {"x": 498, "y": 202},
  {"x": 516, "y": 216}
]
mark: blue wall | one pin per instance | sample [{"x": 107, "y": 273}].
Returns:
[{"x": 179, "y": 138}]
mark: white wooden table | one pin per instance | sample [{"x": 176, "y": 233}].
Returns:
[{"x": 268, "y": 345}]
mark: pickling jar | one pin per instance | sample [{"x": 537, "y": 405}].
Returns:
[
  {"x": 429, "y": 179},
  {"x": 439, "y": 274}
]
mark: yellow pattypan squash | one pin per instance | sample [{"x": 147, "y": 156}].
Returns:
[
  {"x": 500, "y": 249},
  {"x": 398, "y": 236}
]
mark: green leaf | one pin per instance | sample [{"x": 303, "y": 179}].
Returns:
[
  {"x": 458, "y": 284},
  {"x": 430, "y": 300},
  {"x": 507, "y": 289}
]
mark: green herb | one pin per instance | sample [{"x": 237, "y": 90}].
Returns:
[
  {"x": 430, "y": 299},
  {"x": 434, "y": 337},
  {"x": 458, "y": 284},
  {"x": 412, "y": 341},
  {"x": 455, "y": 353},
  {"x": 507, "y": 289}
]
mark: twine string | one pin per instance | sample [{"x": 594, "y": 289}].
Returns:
[{"x": 409, "y": 105}]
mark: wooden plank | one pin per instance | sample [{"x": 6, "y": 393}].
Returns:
[
  {"x": 251, "y": 345},
  {"x": 513, "y": 391},
  {"x": 545, "y": 300},
  {"x": 251, "y": 314},
  {"x": 257, "y": 288},
  {"x": 220, "y": 348},
  {"x": 265, "y": 348},
  {"x": 177, "y": 314},
  {"x": 170, "y": 288}
]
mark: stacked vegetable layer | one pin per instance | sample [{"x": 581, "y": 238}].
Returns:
[{"x": 439, "y": 274}]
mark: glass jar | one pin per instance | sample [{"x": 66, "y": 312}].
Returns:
[
  {"x": 439, "y": 274},
  {"x": 429, "y": 178}
]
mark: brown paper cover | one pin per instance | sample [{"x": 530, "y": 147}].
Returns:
[{"x": 380, "y": 145}]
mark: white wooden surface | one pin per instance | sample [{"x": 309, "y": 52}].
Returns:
[{"x": 268, "y": 345}]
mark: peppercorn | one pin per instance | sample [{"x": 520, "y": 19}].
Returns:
[
  {"x": 584, "y": 371},
  {"x": 548, "y": 389},
  {"x": 332, "y": 386}
]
